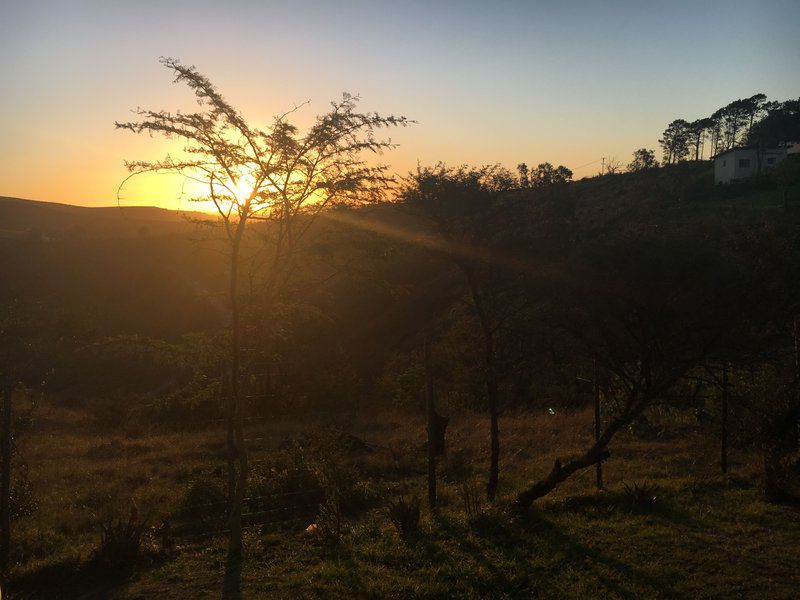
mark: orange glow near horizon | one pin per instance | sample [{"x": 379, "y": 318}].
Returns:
[{"x": 486, "y": 84}]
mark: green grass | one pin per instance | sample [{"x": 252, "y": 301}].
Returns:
[{"x": 704, "y": 536}]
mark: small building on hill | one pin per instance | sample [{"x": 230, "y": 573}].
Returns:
[{"x": 744, "y": 162}]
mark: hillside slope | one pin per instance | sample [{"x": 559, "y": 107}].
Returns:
[{"x": 19, "y": 216}]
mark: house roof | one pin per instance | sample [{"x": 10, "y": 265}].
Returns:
[
  {"x": 746, "y": 148},
  {"x": 724, "y": 152}
]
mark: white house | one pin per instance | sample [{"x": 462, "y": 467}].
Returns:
[{"x": 740, "y": 163}]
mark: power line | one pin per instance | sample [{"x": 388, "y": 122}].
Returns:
[{"x": 588, "y": 164}]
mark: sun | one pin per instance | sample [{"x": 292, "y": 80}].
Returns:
[{"x": 243, "y": 188}]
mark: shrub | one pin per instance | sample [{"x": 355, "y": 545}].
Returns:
[
  {"x": 201, "y": 495},
  {"x": 639, "y": 496},
  {"x": 323, "y": 455},
  {"x": 329, "y": 523},
  {"x": 404, "y": 515},
  {"x": 471, "y": 497},
  {"x": 120, "y": 544},
  {"x": 203, "y": 506}
]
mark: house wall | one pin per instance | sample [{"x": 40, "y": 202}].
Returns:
[
  {"x": 724, "y": 170},
  {"x": 744, "y": 162}
]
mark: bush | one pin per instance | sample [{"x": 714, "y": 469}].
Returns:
[
  {"x": 202, "y": 494},
  {"x": 639, "y": 496},
  {"x": 329, "y": 523},
  {"x": 404, "y": 515},
  {"x": 203, "y": 506},
  {"x": 471, "y": 497},
  {"x": 120, "y": 544},
  {"x": 324, "y": 456}
]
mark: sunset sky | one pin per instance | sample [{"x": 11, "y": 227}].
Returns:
[{"x": 488, "y": 82}]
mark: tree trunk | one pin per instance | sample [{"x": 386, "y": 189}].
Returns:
[
  {"x": 723, "y": 461},
  {"x": 494, "y": 464},
  {"x": 230, "y": 440},
  {"x": 5, "y": 480},
  {"x": 492, "y": 385},
  {"x": 560, "y": 473},
  {"x": 494, "y": 413},
  {"x": 235, "y": 411},
  {"x": 598, "y": 452},
  {"x": 432, "y": 442}
]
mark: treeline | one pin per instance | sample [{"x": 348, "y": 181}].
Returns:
[
  {"x": 472, "y": 287},
  {"x": 517, "y": 293},
  {"x": 753, "y": 121}
]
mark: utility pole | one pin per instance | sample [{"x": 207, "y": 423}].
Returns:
[{"x": 602, "y": 164}]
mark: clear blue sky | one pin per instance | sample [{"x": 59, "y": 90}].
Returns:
[{"x": 489, "y": 82}]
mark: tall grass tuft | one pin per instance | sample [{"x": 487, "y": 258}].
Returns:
[
  {"x": 404, "y": 515},
  {"x": 640, "y": 496},
  {"x": 120, "y": 543}
]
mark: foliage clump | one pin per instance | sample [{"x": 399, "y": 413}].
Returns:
[
  {"x": 120, "y": 544},
  {"x": 404, "y": 514},
  {"x": 641, "y": 497}
]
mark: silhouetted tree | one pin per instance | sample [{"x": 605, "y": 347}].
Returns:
[
  {"x": 472, "y": 214},
  {"x": 546, "y": 175},
  {"x": 753, "y": 107},
  {"x": 436, "y": 426},
  {"x": 734, "y": 119},
  {"x": 780, "y": 125},
  {"x": 642, "y": 159},
  {"x": 697, "y": 134},
  {"x": 271, "y": 174},
  {"x": 612, "y": 166},
  {"x": 675, "y": 142},
  {"x": 621, "y": 305},
  {"x": 524, "y": 175}
]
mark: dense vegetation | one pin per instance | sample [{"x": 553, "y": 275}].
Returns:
[
  {"x": 752, "y": 121},
  {"x": 498, "y": 304},
  {"x": 265, "y": 369}
]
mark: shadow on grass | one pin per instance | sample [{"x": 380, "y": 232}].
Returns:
[
  {"x": 538, "y": 551},
  {"x": 347, "y": 578},
  {"x": 524, "y": 577},
  {"x": 69, "y": 578},
  {"x": 619, "y": 502}
]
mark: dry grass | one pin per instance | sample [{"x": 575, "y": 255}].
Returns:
[{"x": 582, "y": 544}]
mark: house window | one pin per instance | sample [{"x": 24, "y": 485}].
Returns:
[
  {"x": 771, "y": 160},
  {"x": 744, "y": 163}
]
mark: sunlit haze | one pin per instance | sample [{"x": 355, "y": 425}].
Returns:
[{"x": 500, "y": 82}]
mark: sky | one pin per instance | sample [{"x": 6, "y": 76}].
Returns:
[{"x": 503, "y": 82}]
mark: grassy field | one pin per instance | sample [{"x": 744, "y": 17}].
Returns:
[{"x": 701, "y": 536}]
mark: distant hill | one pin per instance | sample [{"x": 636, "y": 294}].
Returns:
[{"x": 20, "y": 217}]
